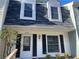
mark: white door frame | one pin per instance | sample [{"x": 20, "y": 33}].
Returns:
[{"x": 21, "y": 47}]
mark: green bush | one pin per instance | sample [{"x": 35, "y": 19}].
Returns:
[
  {"x": 48, "y": 56},
  {"x": 58, "y": 56}
]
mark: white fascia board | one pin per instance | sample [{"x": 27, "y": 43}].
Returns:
[{"x": 59, "y": 27}]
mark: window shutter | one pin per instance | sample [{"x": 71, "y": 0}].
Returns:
[
  {"x": 62, "y": 43},
  {"x": 44, "y": 44},
  {"x": 18, "y": 43},
  {"x": 34, "y": 45}
]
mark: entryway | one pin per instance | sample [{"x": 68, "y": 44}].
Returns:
[
  {"x": 38, "y": 45},
  {"x": 26, "y": 47}
]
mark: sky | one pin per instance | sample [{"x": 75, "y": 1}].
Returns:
[{"x": 67, "y": 1}]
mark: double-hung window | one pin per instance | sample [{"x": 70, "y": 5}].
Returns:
[
  {"x": 27, "y": 11},
  {"x": 54, "y": 12},
  {"x": 53, "y": 44},
  {"x": 26, "y": 43}
]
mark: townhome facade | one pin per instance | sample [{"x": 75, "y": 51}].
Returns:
[{"x": 43, "y": 26}]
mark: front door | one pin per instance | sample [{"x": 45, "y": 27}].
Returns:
[{"x": 26, "y": 47}]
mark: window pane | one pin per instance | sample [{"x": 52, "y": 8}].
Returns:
[
  {"x": 54, "y": 12},
  {"x": 53, "y": 48},
  {"x": 53, "y": 45},
  {"x": 52, "y": 39},
  {"x": 28, "y": 10},
  {"x": 26, "y": 43}
]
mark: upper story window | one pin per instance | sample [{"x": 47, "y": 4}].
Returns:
[
  {"x": 54, "y": 12},
  {"x": 27, "y": 11}
]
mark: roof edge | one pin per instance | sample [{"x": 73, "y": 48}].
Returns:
[{"x": 73, "y": 3}]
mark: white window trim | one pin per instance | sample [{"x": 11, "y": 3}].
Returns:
[
  {"x": 33, "y": 11},
  {"x": 59, "y": 14},
  {"x": 58, "y": 45}
]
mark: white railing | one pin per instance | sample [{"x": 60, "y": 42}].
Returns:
[{"x": 12, "y": 55}]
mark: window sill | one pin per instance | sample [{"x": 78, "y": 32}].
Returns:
[
  {"x": 29, "y": 18},
  {"x": 55, "y": 20}
]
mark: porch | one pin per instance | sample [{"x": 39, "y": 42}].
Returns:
[
  {"x": 37, "y": 40},
  {"x": 13, "y": 56}
]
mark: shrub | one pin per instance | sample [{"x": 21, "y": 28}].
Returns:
[
  {"x": 58, "y": 56},
  {"x": 48, "y": 56},
  {"x": 66, "y": 55}
]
